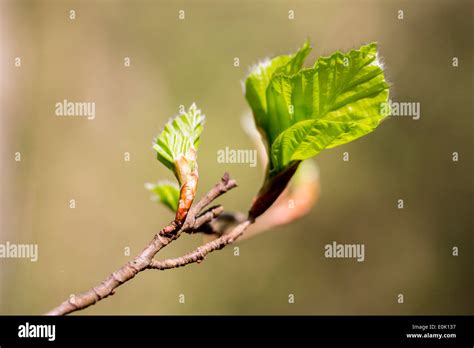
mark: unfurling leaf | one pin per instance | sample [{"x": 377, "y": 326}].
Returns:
[
  {"x": 179, "y": 140},
  {"x": 301, "y": 112},
  {"x": 166, "y": 193},
  {"x": 176, "y": 148}
]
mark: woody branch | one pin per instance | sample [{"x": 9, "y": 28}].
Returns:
[{"x": 194, "y": 222}]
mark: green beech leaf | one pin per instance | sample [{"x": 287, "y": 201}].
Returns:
[
  {"x": 180, "y": 139},
  {"x": 166, "y": 193},
  {"x": 335, "y": 102}
]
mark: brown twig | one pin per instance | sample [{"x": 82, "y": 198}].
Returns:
[
  {"x": 208, "y": 221},
  {"x": 194, "y": 221},
  {"x": 200, "y": 253}
]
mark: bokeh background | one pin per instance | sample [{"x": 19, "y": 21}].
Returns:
[{"x": 176, "y": 62}]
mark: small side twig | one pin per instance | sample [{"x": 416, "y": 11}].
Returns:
[
  {"x": 200, "y": 253},
  {"x": 219, "y": 189}
]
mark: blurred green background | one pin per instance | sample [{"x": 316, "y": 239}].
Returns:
[{"x": 177, "y": 62}]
